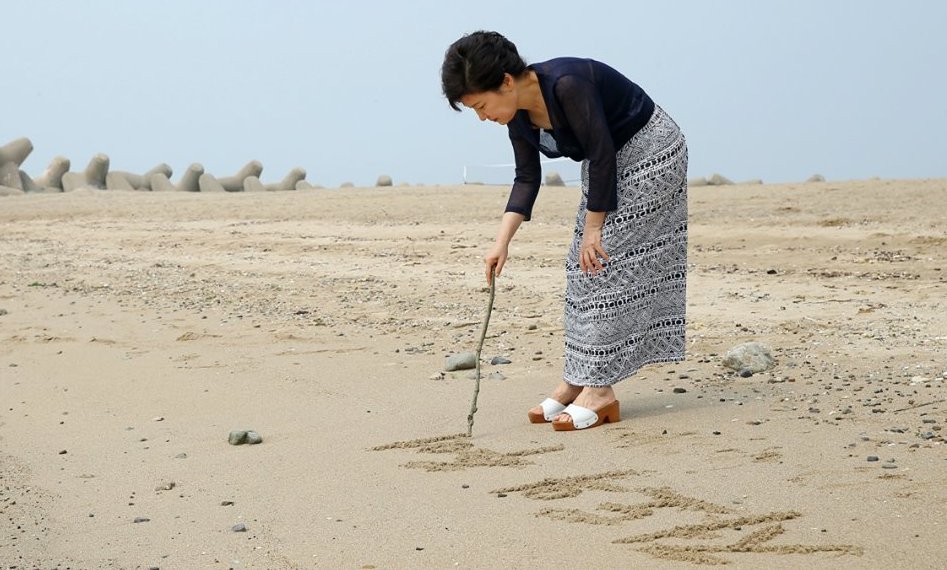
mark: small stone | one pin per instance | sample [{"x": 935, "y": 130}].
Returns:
[
  {"x": 872, "y": 458},
  {"x": 532, "y": 327},
  {"x": 752, "y": 356},
  {"x": 497, "y": 360},
  {"x": 237, "y": 437},
  {"x": 715, "y": 433},
  {"x": 3, "y": 312},
  {"x": 254, "y": 438},
  {"x": 239, "y": 528},
  {"x": 771, "y": 272},
  {"x": 501, "y": 495},
  {"x": 158, "y": 419},
  {"x": 181, "y": 456},
  {"x": 461, "y": 361},
  {"x": 680, "y": 391},
  {"x": 746, "y": 373},
  {"x": 63, "y": 452},
  {"x": 889, "y": 466},
  {"x": 465, "y": 486},
  {"x": 226, "y": 503},
  {"x": 142, "y": 519},
  {"x": 419, "y": 548}
]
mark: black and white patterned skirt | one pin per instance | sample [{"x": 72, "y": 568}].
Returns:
[{"x": 633, "y": 312}]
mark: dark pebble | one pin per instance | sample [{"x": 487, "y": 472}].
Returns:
[
  {"x": 237, "y": 437},
  {"x": 771, "y": 272},
  {"x": 680, "y": 391},
  {"x": 499, "y": 360},
  {"x": 239, "y": 528},
  {"x": 889, "y": 466},
  {"x": 142, "y": 519},
  {"x": 63, "y": 452},
  {"x": 226, "y": 503},
  {"x": 501, "y": 495},
  {"x": 746, "y": 373},
  {"x": 716, "y": 433},
  {"x": 465, "y": 486},
  {"x": 872, "y": 458}
]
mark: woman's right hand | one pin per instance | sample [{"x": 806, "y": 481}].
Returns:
[{"x": 494, "y": 260}]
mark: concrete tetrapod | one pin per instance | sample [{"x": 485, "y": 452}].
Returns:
[
  {"x": 93, "y": 176},
  {"x": 294, "y": 177}
]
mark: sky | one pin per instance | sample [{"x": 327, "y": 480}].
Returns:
[{"x": 349, "y": 90}]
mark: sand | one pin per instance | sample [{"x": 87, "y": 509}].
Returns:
[{"x": 141, "y": 328}]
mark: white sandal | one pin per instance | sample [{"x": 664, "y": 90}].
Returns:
[
  {"x": 582, "y": 418},
  {"x": 551, "y": 408}
]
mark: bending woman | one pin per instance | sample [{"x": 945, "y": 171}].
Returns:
[{"x": 626, "y": 271}]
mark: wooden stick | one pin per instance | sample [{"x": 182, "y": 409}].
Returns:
[{"x": 483, "y": 335}]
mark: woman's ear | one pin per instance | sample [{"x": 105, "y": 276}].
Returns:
[{"x": 507, "y": 81}]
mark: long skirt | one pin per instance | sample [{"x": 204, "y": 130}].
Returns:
[{"x": 632, "y": 313}]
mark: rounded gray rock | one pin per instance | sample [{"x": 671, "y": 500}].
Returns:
[
  {"x": 461, "y": 361},
  {"x": 752, "y": 356}
]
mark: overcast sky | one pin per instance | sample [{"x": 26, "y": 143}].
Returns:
[{"x": 349, "y": 90}]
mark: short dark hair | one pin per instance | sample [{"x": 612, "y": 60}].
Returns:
[{"x": 476, "y": 63}]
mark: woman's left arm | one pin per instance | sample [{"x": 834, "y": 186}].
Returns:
[{"x": 582, "y": 106}]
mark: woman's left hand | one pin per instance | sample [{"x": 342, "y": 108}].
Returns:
[{"x": 592, "y": 256}]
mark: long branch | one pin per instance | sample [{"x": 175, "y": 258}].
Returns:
[{"x": 483, "y": 335}]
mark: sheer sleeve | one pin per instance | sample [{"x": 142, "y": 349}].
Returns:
[
  {"x": 582, "y": 106},
  {"x": 528, "y": 175}
]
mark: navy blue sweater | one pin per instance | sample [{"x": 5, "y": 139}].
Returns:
[{"x": 594, "y": 111}]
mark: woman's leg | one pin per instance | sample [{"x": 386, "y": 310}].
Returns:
[
  {"x": 564, "y": 393},
  {"x": 591, "y": 398}
]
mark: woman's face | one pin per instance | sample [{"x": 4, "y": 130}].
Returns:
[{"x": 499, "y": 106}]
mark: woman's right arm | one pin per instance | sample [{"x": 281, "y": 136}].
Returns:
[
  {"x": 496, "y": 257},
  {"x": 519, "y": 207}
]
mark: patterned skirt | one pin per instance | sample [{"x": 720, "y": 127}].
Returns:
[{"x": 632, "y": 313}]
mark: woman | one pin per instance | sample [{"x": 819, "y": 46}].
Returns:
[{"x": 626, "y": 270}]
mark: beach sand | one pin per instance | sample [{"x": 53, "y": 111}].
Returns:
[{"x": 138, "y": 329}]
